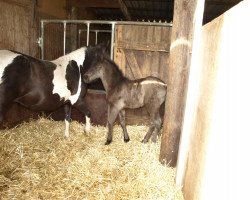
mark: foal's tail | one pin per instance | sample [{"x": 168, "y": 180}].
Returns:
[{"x": 162, "y": 110}]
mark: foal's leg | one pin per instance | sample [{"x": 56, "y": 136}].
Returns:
[
  {"x": 123, "y": 124},
  {"x": 149, "y": 133},
  {"x": 157, "y": 122},
  {"x": 112, "y": 114},
  {"x": 150, "y": 108},
  {"x": 67, "y": 110}
]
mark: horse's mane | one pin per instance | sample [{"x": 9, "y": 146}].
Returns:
[{"x": 119, "y": 74}]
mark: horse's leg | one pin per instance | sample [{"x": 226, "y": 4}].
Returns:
[
  {"x": 157, "y": 122},
  {"x": 67, "y": 110},
  {"x": 150, "y": 110},
  {"x": 123, "y": 124},
  {"x": 112, "y": 114},
  {"x": 6, "y": 98},
  {"x": 149, "y": 133},
  {"x": 80, "y": 105}
]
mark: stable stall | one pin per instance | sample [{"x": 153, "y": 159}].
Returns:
[{"x": 203, "y": 147}]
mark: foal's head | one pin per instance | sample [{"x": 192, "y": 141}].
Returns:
[
  {"x": 94, "y": 53},
  {"x": 94, "y": 72},
  {"x": 96, "y": 57}
]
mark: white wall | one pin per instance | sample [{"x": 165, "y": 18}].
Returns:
[{"x": 217, "y": 164}]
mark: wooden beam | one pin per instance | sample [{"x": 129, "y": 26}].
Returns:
[
  {"x": 124, "y": 10},
  {"x": 21, "y": 3},
  {"x": 177, "y": 78},
  {"x": 222, "y": 2},
  {"x": 132, "y": 64},
  {"x": 95, "y": 4}
]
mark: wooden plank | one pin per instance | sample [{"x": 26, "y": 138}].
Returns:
[
  {"x": 95, "y": 4},
  {"x": 53, "y": 43},
  {"x": 143, "y": 47},
  {"x": 16, "y": 26},
  {"x": 177, "y": 77},
  {"x": 133, "y": 65},
  {"x": 27, "y": 4},
  {"x": 124, "y": 10}
]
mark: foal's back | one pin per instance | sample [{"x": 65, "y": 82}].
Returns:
[{"x": 140, "y": 92}]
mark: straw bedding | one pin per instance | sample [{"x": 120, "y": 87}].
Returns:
[{"x": 36, "y": 162}]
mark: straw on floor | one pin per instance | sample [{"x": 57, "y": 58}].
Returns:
[{"x": 36, "y": 162}]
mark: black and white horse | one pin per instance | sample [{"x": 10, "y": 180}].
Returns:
[
  {"x": 45, "y": 85},
  {"x": 123, "y": 93}
]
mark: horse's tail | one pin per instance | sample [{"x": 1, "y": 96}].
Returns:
[{"x": 162, "y": 110}]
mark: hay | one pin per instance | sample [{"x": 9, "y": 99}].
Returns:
[{"x": 36, "y": 162}]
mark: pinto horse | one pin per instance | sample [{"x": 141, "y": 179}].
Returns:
[
  {"x": 42, "y": 85},
  {"x": 123, "y": 93}
]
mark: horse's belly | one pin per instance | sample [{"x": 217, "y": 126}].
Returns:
[
  {"x": 39, "y": 102},
  {"x": 134, "y": 103}
]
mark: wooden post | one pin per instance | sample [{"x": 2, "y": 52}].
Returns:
[
  {"x": 177, "y": 78},
  {"x": 124, "y": 10}
]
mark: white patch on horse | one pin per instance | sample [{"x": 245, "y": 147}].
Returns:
[
  {"x": 7, "y": 58},
  {"x": 87, "y": 125},
  {"x": 74, "y": 97},
  {"x": 66, "y": 132},
  {"x": 152, "y": 82},
  {"x": 59, "y": 80}
]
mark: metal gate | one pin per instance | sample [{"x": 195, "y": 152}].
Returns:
[{"x": 113, "y": 24}]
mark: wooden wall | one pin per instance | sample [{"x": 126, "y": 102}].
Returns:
[
  {"x": 142, "y": 51},
  {"x": 53, "y": 41},
  {"x": 53, "y": 9},
  {"x": 217, "y": 164},
  {"x": 18, "y": 28}
]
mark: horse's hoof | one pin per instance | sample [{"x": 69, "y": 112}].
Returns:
[
  {"x": 66, "y": 137},
  {"x": 87, "y": 130},
  {"x": 108, "y": 142},
  {"x": 126, "y": 140},
  {"x": 153, "y": 140},
  {"x": 144, "y": 141}
]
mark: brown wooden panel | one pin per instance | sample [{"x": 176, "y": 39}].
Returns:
[
  {"x": 53, "y": 41},
  {"x": 133, "y": 65},
  {"x": 18, "y": 29},
  {"x": 142, "y": 51}
]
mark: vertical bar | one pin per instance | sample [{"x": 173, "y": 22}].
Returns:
[
  {"x": 96, "y": 37},
  {"x": 79, "y": 38},
  {"x": 64, "y": 37},
  {"x": 112, "y": 41},
  {"x": 87, "y": 34},
  {"x": 177, "y": 79},
  {"x": 42, "y": 40}
]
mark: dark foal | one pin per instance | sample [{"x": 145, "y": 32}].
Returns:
[
  {"x": 123, "y": 93},
  {"x": 45, "y": 85}
]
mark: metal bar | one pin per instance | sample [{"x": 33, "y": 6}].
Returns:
[
  {"x": 64, "y": 37},
  {"x": 42, "y": 39},
  {"x": 96, "y": 37},
  {"x": 79, "y": 38},
  {"x": 94, "y": 30},
  {"x": 107, "y": 22},
  {"x": 88, "y": 33},
  {"x": 112, "y": 41}
]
